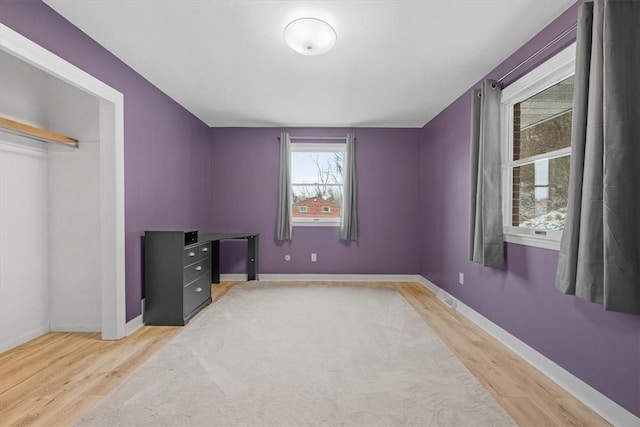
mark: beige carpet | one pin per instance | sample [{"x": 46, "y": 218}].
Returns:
[{"x": 270, "y": 354}]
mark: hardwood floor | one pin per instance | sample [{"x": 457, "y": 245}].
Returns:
[
  {"x": 527, "y": 395},
  {"x": 58, "y": 377}
]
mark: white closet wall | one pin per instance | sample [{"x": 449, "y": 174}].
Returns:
[
  {"x": 74, "y": 242},
  {"x": 24, "y": 223}
]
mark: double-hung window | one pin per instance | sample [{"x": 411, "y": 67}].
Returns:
[
  {"x": 317, "y": 171},
  {"x": 536, "y": 120}
]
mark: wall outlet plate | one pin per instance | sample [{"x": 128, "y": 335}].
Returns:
[{"x": 461, "y": 278}]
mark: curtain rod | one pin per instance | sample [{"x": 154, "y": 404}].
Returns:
[
  {"x": 326, "y": 138},
  {"x": 539, "y": 51}
]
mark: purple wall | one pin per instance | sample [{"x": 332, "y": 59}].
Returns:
[
  {"x": 245, "y": 167},
  {"x": 601, "y": 348},
  {"x": 166, "y": 148}
]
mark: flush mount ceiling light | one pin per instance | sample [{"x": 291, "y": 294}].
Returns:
[{"x": 310, "y": 36}]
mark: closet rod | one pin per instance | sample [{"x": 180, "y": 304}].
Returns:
[
  {"x": 36, "y": 133},
  {"x": 539, "y": 51}
]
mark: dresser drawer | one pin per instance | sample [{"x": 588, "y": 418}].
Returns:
[
  {"x": 194, "y": 270},
  {"x": 205, "y": 249},
  {"x": 191, "y": 254},
  {"x": 196, "y": 293}
]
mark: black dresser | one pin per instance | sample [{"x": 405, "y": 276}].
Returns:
[{"x": 177, "y": 276}]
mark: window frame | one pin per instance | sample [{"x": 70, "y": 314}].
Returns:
[
  {"x": 314, "y": 147},
  {"x": 549, "y": 73}
]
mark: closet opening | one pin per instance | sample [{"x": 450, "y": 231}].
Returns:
[{"x": 61, "y": 206}]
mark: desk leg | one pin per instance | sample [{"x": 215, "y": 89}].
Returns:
[
  {"x": 215, "y": 261},
  {"x": 252, "y": 258}
]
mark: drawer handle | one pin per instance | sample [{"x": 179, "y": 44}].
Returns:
[
  {"x": 192, "y": 254},
  {"x": 205, "y": 249},
  {"x": 198, "y": 289},
  {"x": 198, "y": 268}
]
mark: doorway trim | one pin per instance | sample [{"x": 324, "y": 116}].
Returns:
[{"x": 112, "y": 219}]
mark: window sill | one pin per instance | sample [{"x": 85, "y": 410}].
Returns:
[
  {"x": 534, "y": 241},
  {"x": 315, "y": 224}
]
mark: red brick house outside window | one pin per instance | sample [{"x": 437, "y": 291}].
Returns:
[{"x": 316, "y": 207}]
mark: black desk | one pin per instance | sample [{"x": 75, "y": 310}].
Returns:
[{"x": 252, "y": 252}]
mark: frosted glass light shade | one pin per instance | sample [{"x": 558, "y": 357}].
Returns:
[{"x": 310, "y": 36}]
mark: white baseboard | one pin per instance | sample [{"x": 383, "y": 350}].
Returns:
[
  {"x": 23, "y": 338},
  {"x": 133, "y": 325},
  {"x": 136, "y": 323},
  {"x": 234, "y": 277},
  {"x": 326, "y": 277},
  {"x": 598, "y": 402},
  {"x": 72, "y": 327}
]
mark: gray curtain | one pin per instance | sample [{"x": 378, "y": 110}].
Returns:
[
  {"x": 349, "y": 218},
  {"x": 283, "y": 217},
  {"x": 486, "y": 241},
  {"x": 600, "y": 249}
]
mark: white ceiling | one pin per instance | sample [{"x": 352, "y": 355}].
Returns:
[{"x": 396, "y": 63}]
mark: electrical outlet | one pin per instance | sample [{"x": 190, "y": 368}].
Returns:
[
  {"x": 314, "y": 258},
  {"x": 461, "y": 278}
]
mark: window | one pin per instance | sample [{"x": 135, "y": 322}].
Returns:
[
  {"x": 316, "y": 183},
  {"x": 536, "y": 117}
]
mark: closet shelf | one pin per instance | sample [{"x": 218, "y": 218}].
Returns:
[{"x": 36, "y": 133}]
